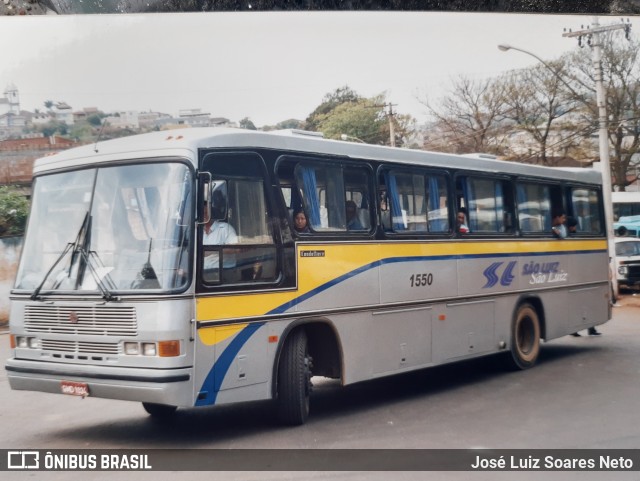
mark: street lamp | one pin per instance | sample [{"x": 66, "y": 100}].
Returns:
[
  {"x": 351, "y": 137},
  {"x": 603, "y": 140},
  {"x": 506, "y": 47}
]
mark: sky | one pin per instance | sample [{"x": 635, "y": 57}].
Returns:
[{"x": 267, "y": 66}]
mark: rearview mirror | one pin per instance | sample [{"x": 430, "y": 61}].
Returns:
[{"x": 219, "y": 204}]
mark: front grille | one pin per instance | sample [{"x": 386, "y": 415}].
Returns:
[
  {"x": 86, "y": 320},
  {"x": 77, "y": 347}
]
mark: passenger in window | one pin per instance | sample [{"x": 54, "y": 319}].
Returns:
[
  {"x": 558, "y": 227},
  {"x": 353, "y": 223},
  {"x": 300, "y": 222},
  {"x": 461, "y": 222},
  {"x": 572, "y": 225}
]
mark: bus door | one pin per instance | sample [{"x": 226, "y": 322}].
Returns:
[{"x": 238, "y": 263}]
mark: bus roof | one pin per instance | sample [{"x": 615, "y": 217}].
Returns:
[{"x": 186, "y": 142}]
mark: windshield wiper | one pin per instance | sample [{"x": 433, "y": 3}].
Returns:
[
  {"x": 71, "y": 245},
  {"x": 77, "y": 247},
  {"x": 147, "y": 277},
  {"x": 84, "y": 253},
  {"x": 106, "y": 294}
]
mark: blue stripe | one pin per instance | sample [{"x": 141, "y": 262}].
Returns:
[
  {"x": 212, "y": 383},
  {"x": 393, "y": 260}
]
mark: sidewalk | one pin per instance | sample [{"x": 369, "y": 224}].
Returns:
[{"x": 628, "y": 300}]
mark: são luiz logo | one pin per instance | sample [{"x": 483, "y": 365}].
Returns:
[{"x": 493, "y": 276}]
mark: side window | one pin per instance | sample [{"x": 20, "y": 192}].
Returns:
[
  {"x": 335, "y": 198},
  {"x": 485, "y": 205},
  {"x": 534, "y": 207},
  {"x": 585, "y": 207},
  {"x": 414, "y": 202},
  {"x": 357, "y": 208},
  {"x": 437, "y": 204},
  {"x": 238, "y": 242}
]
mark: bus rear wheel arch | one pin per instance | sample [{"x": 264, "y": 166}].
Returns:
[{"x": 525, "y": 337}]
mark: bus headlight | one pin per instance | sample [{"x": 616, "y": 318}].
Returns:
[
  {"x": 25, "y": 342},
  {"x": 149, "y": 349},
  {"x": 623, "y": 270},
  {"x": 146, "y": 348},
  {"x": 131, "y": 348}
]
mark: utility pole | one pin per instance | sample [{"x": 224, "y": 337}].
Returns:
[
  {"x": 392, "y": 123},
  {"x": 593, "y": 36}
]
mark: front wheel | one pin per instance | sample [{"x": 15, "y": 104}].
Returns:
[
  {"x": 294, "y": 380},
  {"x": 525, "y": 337},
  {"x": 159, "y": 411}
]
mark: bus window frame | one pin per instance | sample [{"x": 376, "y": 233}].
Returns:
[
  {"x": 343, "y": 162},
  {"x": 411, "y": 170},
  {"x": 551, "y": 184},
  {"x": 509, "y": 202},
  {"x": 568, "y": 194},
  {"x": 202, "y": 286}
]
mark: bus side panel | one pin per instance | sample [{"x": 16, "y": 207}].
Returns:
[
  {"x": 463, "y": 329},
  {"x": 233, "y": 362}
]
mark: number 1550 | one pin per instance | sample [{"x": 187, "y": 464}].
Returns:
[{"x": 418, "y": 280}]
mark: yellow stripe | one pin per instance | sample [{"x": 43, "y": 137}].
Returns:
[
  {"x": 340, "y": 259},
  {"x": 214, "y": 335}
]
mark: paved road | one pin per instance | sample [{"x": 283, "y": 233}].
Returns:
[{"x": 583, "y": 394}]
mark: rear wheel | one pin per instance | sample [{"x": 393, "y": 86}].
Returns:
[
  {"x": 525, "y": 337},
  {"x": 294, "y": 380},
  {"x": 159, "y": 411}
]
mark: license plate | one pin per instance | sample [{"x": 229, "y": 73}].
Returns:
[{"x": 74, "y": 388}]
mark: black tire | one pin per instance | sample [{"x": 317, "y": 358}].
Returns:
[
  {"x": 159, "y": 411},
  {"x": 525, "y": 337},
  {"x": 294, "y": 380}
]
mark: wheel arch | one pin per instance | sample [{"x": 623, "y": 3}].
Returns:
[{"x": 324, "y": 347}]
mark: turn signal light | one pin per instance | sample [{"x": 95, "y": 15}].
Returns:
[{"x": 169, "y": 348}]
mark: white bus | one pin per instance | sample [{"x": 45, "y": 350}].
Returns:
[{"x": 117, "y": 296}]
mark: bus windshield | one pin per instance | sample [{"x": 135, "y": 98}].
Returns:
[{"x": 109, "y": 229}]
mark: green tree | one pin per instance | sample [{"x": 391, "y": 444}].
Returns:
[
  {"x": 82, "y": 131},
  {"x": 348, "y": 116},
  {"x": 290, "y": 124},
  {"x": 363, "y": 120},
  {"x": 95, "y": 120},
  {"x": 14, "y": 209},
  {"x": 246, "y": 123},
  {"x": 330, "y": 101}
]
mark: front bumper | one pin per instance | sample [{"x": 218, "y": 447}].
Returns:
[{"x": 161, "y": 386}]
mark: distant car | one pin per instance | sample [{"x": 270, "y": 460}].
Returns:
[
  {"x": 627, "y": 262},
  {"x": 627, "y": 226}
]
